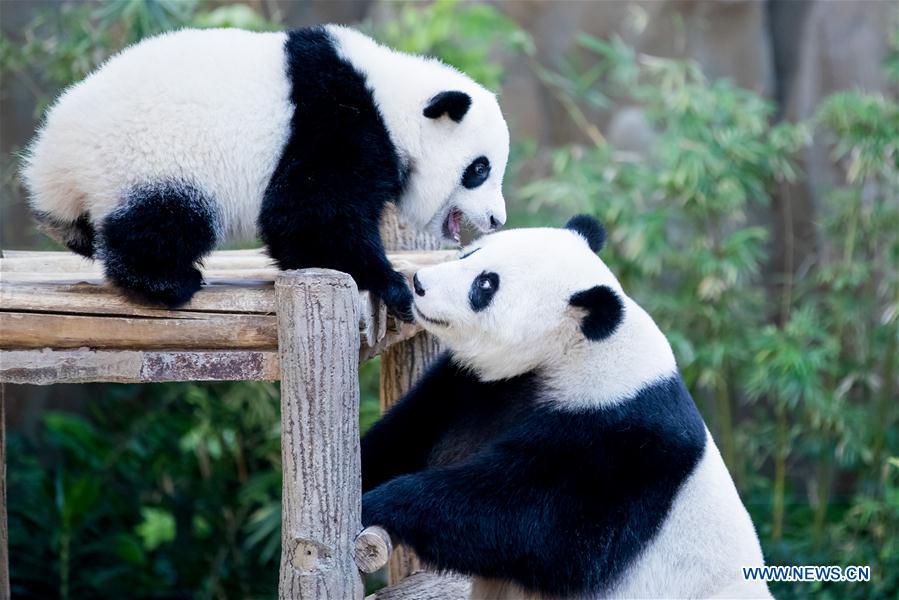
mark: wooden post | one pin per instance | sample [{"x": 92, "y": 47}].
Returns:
[
  {"x": 402, "y": 364},
  {"x": 318, "y": 343}
]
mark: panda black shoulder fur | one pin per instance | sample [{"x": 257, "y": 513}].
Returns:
[
  {"x": 194, "y": 137},
  {"x": 554, "y": 450}
]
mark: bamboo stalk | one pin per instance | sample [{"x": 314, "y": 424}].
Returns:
[
  {"x": 822, "y": 486},
  {"x": 780, "y": 474},
  {"x": 886, "y": 400},
  {"x": 725, "y": 423}
]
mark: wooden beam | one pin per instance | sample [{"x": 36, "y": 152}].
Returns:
[
  {"x": 38, "y": 260},
  {"x": 207, "y": 331},
  {"x": 321, "y": 512},
  {"x": 16, "y": 264},
  {"x": 226, "y": 291},
  {"x": 426, "y": 586},
  {"x": 83, "y": 365},
  {"x": 47, "y": 366},
  {"x": 36, "y": 301},
  {"x": 37, "y": 311},
  {"x": 95, "y": 298},
  {"x": 17, "y": 261},
  {"x": 262, "y": 275}
]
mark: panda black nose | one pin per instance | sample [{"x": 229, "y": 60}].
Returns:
[
  {"x": 417, "y": 285},
  {"x": 494, "y": 224}
]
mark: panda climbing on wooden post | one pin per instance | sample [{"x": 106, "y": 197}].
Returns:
[
  {"x": 195, "y": 137},
  {"x": 554, "y": 450}
]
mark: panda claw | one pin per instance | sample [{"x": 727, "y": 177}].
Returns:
[
  {"x": 402, "y": 312},
  {"x": 398, "y": 298}
]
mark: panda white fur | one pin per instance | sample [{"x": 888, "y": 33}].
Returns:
[
  {"x": 194, "y": 137},
  {"x": 554, "y": 451}
]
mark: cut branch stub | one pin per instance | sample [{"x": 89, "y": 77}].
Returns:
[{"x": 373, "y": 548}]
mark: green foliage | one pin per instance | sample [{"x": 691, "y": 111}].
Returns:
[
  {"x": 796, "y": 372},
  {"x": 63, "y": 45},
  {"x": 866, "y": 127},
  {"x": 678, "y": 217},
  {"x": 465, "y": 35},
  {"x": 171, "y": 490},
  {"x": 156, "y": 528},
  {"x": 240, "y": 16},
  {"x": 160, "y": 488},
  {"x": 153, "y": 493},
  {"x": 142, "y": 18}
]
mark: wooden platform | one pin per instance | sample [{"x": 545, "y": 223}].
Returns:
[
  {"x": 51, "y": 303},
  {"x": 60, "y": 323}
]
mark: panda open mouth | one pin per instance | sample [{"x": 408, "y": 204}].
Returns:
[
  {"x": 452, "y": 225},
  {"x": 426, "y": 318}
]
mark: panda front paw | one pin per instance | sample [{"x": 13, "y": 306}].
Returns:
[
  {"x": 398, "y": 298},
  {"x": 383, "y": 507},
  {"x": 372, "y": 509}
]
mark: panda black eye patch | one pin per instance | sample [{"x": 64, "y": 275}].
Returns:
[
  {"x": 483, "y": 288},
  {"x": 476, "y": 173}
]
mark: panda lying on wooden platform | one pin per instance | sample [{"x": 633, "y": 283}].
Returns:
[
  {"x": 554, "y": 451},
  {"x": 191, "y": 138}
]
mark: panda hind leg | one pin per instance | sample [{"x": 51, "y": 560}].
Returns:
[{"x": 151, "y": 243}]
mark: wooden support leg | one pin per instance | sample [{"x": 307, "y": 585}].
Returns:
[
  {"x": 318, "y": 342},
  {"x": 402, "y": 364}
]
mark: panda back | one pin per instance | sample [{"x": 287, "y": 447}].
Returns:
[
  {"x": 207, "y": 107},
  {"x": 709, "y": 531}
]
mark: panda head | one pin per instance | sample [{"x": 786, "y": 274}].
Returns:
[
  {"x": 456, "y": 166},
  {"x": 449, "y": 132},
  {"x": 527, "y": 300}
]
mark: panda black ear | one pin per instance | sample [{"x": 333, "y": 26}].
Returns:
[
  {"x": 590, "y": 229},
  {"x": 604, "y": 311},
  {"x": 452, "y": 103}
]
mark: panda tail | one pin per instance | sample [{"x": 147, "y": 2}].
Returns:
[{"x": 78, "y": 235}]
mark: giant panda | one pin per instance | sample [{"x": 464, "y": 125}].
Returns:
[
  {"x": 554, "y": 451},
  {"x": 199, "y": 136}
]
